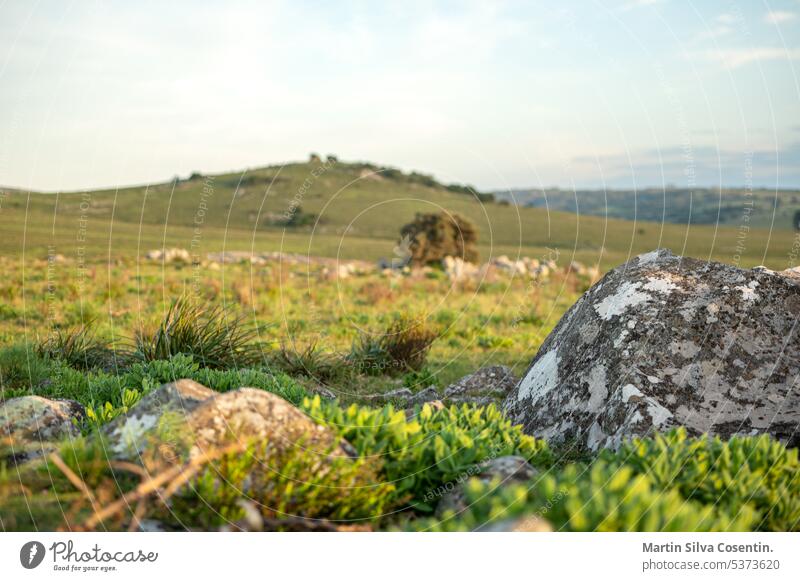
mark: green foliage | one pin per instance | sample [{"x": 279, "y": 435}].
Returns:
[
  {"x": 600, "y": 497},
  {"x": 297, "y": 218},
  {"x": 282, "y": 482},
  {"x": 403, "y": 347},
  {"x": 421, "y": 379},
  {"x": 100, "y": 415},
  {"x": 190, "y": 328},
  {"x": 431, "y": 237},
  {"x": 78, "y": 347},
  {"x": 742, "y": 472},
  {"x": 21, "y": 370},
  {"x": 434, "y": 447}
]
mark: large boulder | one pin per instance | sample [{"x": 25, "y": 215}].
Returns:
[
  {"x": 32, "y": 425},
  {"x": 666, "y": 341}
]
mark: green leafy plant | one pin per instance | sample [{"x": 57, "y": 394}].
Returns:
[
  {"x": 206, "y": 333},
  {"x": 433, "y": 447},
  {"x": 600, "y": 497},
  {"x": 734, "y": 474}
]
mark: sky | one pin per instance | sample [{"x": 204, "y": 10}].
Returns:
[{"x": 584, "y": 94}]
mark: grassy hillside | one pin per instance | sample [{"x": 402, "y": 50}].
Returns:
[
  {"x": 352, "y": 210},
  {"x": 730, "y": 207}
]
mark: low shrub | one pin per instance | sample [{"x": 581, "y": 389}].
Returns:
[
  {"x": 601, "y": 497},
  {"x": 432, "y": 448},
  {"x": 402, "y": 347},
  {"x": 734, "y": 474},
  {"x": 311, "y": 361}
]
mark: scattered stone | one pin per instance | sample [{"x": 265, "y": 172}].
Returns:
[
  {"x": 404, "y": 397},
  {"x": 665, "y": 341},
  {"x": 169, "y": 255},
  {"x": 31, "y": 426},
  {"x": 504, "y": 469},
  {"x": 485, "y": 386}
]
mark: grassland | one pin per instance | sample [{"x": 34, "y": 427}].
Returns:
[
  {"x": 356, "y": 211},
  {"x": 76, "y": 261}
]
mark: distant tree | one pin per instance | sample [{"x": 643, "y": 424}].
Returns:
[
  {"x": 431, "y": 237},
  {"x": 797, "y": 220},
  {"x": 314, "y": 158},
  {"x": 332, "y": 158}
]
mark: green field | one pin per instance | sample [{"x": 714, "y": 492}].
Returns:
[{"x": 355, "y": 210}]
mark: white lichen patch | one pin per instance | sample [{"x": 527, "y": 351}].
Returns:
[
  {"x": 749, "y": 294},
  {"x": 598, "y": 391},
  {"x": 542, "y": 378},
  {"x": 660, "y": 285},
  {"x": 129, "y": 433},
  {"x": 648, "y": 257},
  {"x": 626, "y": 297}
]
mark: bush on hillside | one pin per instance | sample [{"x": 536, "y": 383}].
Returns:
[{"x": 431, "y": 237}]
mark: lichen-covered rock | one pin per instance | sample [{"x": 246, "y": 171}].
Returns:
[
  {"x": 32, "y": 425},
  {"x": 487, "y": 385},
  {"x": 248, "y": 413},
  {"x": 503, "y": 470},
  {"x": 127, "y": 432},
  {"x": 665, "y": 341},
  {"x": 206, "y": 420}
]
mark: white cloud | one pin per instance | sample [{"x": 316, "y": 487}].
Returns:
[
  {"x": 732, "y": 58},
  {"x": 779, "y": 16}
]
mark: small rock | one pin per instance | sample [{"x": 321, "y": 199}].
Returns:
[
  {"x": 506, "y": 469},
  {"x": 485, "y": 386},
  {"x": 33, "y": 425}
]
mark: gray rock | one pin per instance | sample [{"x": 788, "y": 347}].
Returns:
[
  {"x": 249, "y": 413},
  {"x": 405, "y": 397},
  {"x": 504, "y": 469},
  {"x": 485, "y": 386},
  {"x": 208, "y": 420},
  {"x": 31, "y": 425},
  {"x": 665, "y": 341},
  {"x": 127, "y": 432}
]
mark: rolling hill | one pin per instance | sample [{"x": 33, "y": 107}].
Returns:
[{"x": 351, "y": 210}]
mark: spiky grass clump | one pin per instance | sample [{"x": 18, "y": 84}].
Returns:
[
  {"x": 311, "y": 361},
  {"x": 402, "y": 347},
  {"x": 205, "y": 333},
  {"x": 79, "y": 348}
]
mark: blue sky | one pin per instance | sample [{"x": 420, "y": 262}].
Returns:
[{"x": 573, "y": 94}]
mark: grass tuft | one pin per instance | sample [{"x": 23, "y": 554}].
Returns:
[{"x": 205, "y": 333}]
